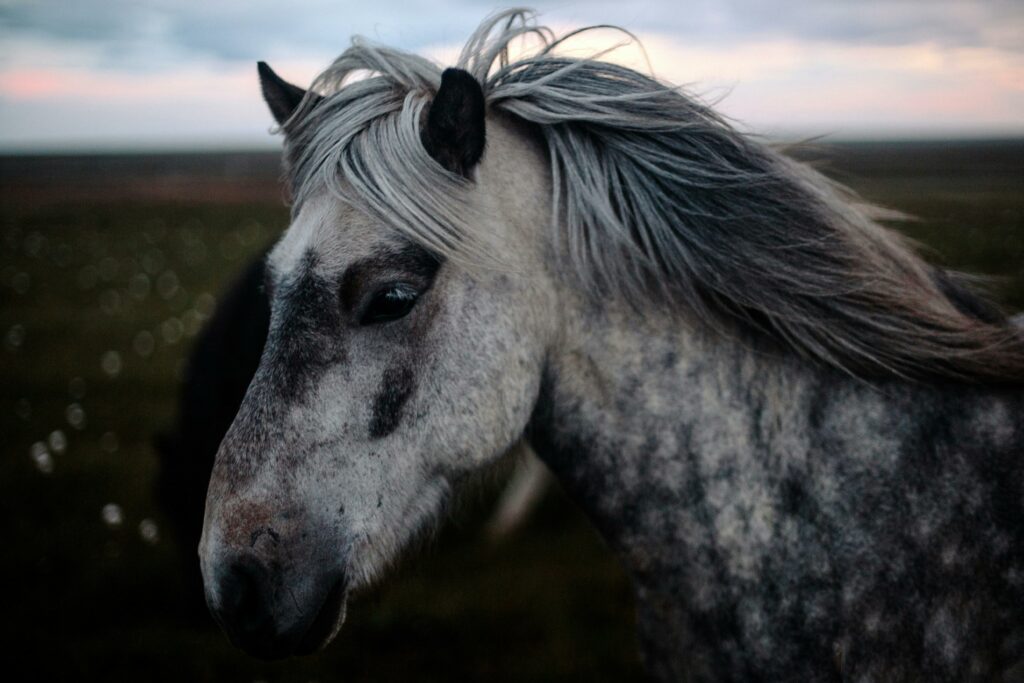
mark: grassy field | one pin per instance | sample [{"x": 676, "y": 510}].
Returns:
[{"x": 109, "y": 265}]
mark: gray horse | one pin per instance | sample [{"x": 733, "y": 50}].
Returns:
[{"x": 801, "y": 440}]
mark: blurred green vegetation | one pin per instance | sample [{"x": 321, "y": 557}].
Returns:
[{"x": 103, "y": 282}]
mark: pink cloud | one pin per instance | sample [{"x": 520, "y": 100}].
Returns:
[
  {"x": 30, "y": 83},
  {"x": 217, "y": 83}
]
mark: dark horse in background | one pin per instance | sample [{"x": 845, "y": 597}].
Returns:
[{"x": 220, "y": 367}]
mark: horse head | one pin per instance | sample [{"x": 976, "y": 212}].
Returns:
[{"x": 389, "y": 373}]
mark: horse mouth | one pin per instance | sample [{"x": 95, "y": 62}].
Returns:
[{"x": 327, "y": 622}]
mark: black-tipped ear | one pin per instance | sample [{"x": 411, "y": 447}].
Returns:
[
  {"x": 454, "y": 133},
  {"x": 282, "y": 97}
]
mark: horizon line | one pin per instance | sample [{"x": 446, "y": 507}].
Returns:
[{"x": 248, "y": 146}]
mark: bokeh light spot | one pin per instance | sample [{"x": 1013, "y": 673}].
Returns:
[
  {"x": 112, "y": 514},
  {"x": 111, "y": 363}
]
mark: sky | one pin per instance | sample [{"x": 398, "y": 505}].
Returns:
[{"x": 176, "y": 74}]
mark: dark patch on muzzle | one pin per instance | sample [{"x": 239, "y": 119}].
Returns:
[{"x": 396, "y": 387}]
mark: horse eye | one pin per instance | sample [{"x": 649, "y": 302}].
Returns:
[{"x": 390, "y": 303}]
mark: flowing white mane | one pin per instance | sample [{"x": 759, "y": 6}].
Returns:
[{"x": 658, "y": 200}]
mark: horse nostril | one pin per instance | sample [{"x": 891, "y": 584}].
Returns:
[{"x": 245, "y": 594}]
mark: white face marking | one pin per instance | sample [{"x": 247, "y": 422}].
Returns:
[
  {"x": 303, "y": 235},
  {"x": 334, "y": 232}
]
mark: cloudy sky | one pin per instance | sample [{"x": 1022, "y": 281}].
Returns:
[{"x": 110, "y": 74}]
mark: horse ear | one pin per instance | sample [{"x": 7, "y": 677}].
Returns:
[
  {"x": 282, "y": 97},
  {"x": 454, "y": 131}
]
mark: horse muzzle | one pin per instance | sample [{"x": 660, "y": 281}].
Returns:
[
  {"x": 262, "y": 614},
  {"x": 274, "y": 584}
]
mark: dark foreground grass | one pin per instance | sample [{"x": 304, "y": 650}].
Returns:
[{"x": 107, "y": 269}]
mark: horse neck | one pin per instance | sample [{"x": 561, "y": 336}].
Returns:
[
  {"x": 629, "y": 401},
  {"x": 640, "y": 417}
]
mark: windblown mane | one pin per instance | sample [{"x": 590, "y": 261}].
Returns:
[{"x": 657, "y": 199}]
